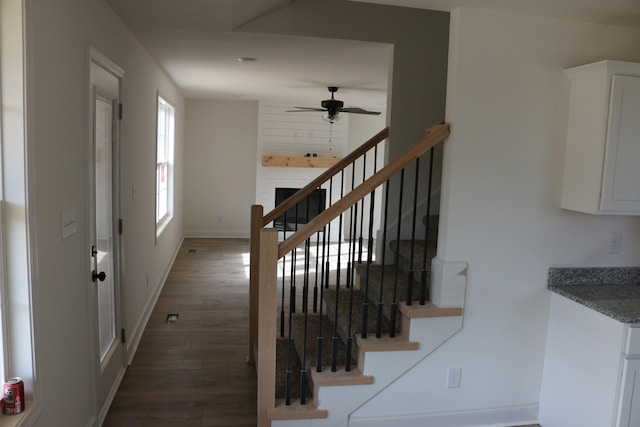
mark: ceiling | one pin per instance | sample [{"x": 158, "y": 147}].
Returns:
[
  {"x": 611, "y": 12},
  {"x": 194, "y": 41}
]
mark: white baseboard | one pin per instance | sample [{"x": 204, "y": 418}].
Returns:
[
  {"x": 104, "y": 411},
  {"x": 494, "y": 417},
  {"x": 217, "y": 234}
]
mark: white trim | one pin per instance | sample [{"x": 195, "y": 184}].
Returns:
[
  {"x": 105, "y": 64},
  {"x": 493, "y": 417},
  {"x": 104, "y": 411},
  {"x": 214, "y": 234}
]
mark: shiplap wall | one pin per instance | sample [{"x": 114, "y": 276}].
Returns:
[{"x": 296, "y": 134}]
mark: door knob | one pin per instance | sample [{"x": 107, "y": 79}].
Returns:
[{"x": 98, "y": 276}]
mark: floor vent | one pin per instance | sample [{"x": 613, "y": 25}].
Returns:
[{"x": 192, "y": 251}]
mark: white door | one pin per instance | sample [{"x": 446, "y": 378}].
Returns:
[{"x": 104, "y": 238}]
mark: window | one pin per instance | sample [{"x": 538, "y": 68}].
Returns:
[
  {"x": 164, "y": 163},
  {"x": 17, "y": 274}
]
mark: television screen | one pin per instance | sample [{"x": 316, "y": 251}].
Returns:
[{"x": 303, "y": 212}]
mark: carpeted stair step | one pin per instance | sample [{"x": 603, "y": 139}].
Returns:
[
  {"x": 344, "y": 303},
  {"x": 313, "y": 326},
  {"x": 403, "y": 249},
  {"x": 375, "y": 283}
]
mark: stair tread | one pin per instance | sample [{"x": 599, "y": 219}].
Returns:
[
  {"x": 297, "y": 411},
  {"x": 341, "y": 377}
]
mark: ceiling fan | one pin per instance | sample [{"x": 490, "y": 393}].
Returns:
[{"x": 332, "y": 107}]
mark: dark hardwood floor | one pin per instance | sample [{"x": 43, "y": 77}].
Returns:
[{"x": 193, "y": 372}]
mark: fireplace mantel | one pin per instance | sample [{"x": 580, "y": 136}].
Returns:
[{"x": 298, "y": 161}]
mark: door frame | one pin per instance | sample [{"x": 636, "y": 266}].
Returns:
[{"x": 96, "y": 57}]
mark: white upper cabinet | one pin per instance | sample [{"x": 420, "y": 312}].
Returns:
[{"x": 602, "y": 160}]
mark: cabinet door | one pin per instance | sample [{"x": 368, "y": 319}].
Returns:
[
  {"x": 621, "y": 180},
  {"x": 629, "y": 414}
]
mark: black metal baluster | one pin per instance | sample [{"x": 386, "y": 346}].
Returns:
[
  {"x": 340, "y": 230},
  {"x": 394, "y": 300},
  {"x": 320, "y": 334},
  {"x": 287, "y": 392},
  {"x": 328, "y": 240},
  {"x": 351, "y": 253},
  {"x": 294, "y": 262},
  {"x": 305, "y": 283},
  {"x": 365, "y": 303},
  {"x": 305, "y": 310},
  {"x": 315, "y": 286},
  {"x": 284, "y": 275},
  {"x": 424, "y": 278},
  {"x": 334, "y": 354},
  {"x": 413, "y": 234},
  {"x": 364, "y": 175},
  {"x": 349, "y": 343},
  {"x": 382, "y": 264}
]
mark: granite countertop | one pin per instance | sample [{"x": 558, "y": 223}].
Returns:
[{"x": 613, "y": 291}]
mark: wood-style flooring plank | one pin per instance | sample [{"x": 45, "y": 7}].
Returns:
[{"x": 192, "y": 373}]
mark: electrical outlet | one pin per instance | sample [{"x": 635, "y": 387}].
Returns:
[
  {"x": 219, "y": 220},
  {"x": 615, "y": 242},
  {"x": 453, "y": 377}
]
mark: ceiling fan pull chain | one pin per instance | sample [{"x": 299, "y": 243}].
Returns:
[{"x": 330, "y": 135}]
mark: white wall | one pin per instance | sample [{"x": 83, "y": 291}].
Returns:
[
  {"x": 221, "y": 175},
  {"x": 506, "y": 104},
  {"x": 361, "y": 129},
  {"x": 58, "y": 37}
]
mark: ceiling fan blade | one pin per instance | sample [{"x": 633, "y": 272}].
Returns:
[
  {"x": 299, "y": 109},
  {"x": 357, "y": 110}
]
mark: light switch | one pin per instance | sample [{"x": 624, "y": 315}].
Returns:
[{"x": 68, "y": 222}]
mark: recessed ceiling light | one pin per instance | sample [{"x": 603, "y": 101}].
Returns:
[{"x": 247, "y": 59}]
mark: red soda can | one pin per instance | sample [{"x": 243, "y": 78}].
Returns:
[{"x": 13, "y": 392}]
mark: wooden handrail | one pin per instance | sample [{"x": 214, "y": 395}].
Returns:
[
  {"x": 309, "y": 188},
  {"x": 435, "y": 134}
]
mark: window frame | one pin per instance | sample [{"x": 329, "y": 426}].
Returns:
[{"x": 165, "y": 135}]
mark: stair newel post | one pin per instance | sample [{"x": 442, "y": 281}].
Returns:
[
  {"x": 424, "y": 279},
  {"x": 382, "y": 264},
  {"x": 394, "y": 300},
  {"x": 413, "y": 234},
  {"x": 257, "y": 212},
  {"x": 267, "y": 311}
]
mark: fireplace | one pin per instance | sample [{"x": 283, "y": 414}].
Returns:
[{"x": 303, "y": 212}]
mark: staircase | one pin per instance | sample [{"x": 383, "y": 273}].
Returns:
[{"x": 338, "y": 331}]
